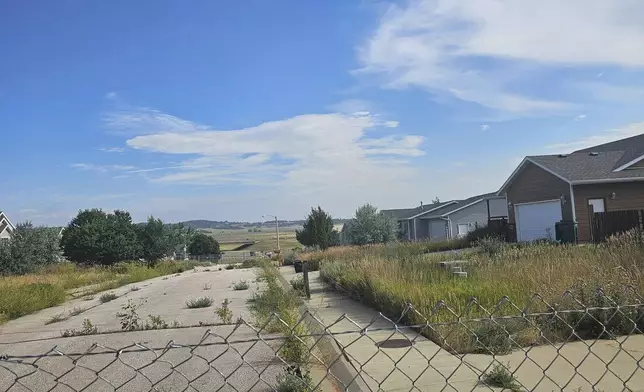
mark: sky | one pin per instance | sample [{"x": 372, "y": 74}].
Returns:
[{"x": 233, "y": 110}]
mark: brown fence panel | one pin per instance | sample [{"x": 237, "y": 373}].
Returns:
[{"x": 605, "y": 224}]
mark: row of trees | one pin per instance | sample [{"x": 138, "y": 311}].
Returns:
[
  {"x": 97, "y": 237},
  {"x": 368, "y": 226}
]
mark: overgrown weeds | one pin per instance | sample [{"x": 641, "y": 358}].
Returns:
[
  {"x": 87, "y": 329},
  {"x": 388, "y": 278},
  {"x": 201, "y": 302},
  {"x": 295, "y": 380},
  {"x": 49, "y": 286},
  {"x": 129, "y": 317}
]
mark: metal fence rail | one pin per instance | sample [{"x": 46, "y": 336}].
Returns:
[{"x": 579, "y": 347}]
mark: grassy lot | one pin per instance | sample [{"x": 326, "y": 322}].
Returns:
[
  {"x": 390, "y": 277},
  {"x": 266, "y": 239},
  {"x": 52, "y": 285}
]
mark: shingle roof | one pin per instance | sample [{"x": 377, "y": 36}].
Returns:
[
  {"x": 582, "y": 166},
  {"x": 460, "y": 204},
  {"x": 406, "y": 213},
  {"x": 435, "y": 210}
]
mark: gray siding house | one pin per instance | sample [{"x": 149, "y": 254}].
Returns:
[{"x": 451, "y": 219}]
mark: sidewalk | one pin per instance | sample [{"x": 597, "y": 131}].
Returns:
[{"x": 424, "y": 366}]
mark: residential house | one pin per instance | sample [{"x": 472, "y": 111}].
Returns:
[
  {"x": 546, "y": 189},
  {"x": 450, "y": 219},
  {"x": 6, "y": 227}
]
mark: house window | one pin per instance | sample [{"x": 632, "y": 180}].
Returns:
[
  {"x": 462, "y": 229},
  {"x": 596, "y": 205}
]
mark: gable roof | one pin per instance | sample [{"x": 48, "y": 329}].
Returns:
[
  {"x": 461, "y": 204},
  {"x": 5, "y": 223},
  {"x": 602, "y": 163},
  {"x": 409, "y": 213}
]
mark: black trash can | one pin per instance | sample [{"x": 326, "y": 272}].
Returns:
[
  {"x": 566, "y": 232},
  {"x": 298, "y": 266}
]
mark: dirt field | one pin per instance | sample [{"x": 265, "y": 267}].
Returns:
[{"x": 265, "y": 240}]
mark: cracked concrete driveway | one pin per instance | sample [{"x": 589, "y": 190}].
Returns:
[{"x": 164, "y": 360}]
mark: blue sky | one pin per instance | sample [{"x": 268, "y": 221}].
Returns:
[{"x": 232, "y": 110}]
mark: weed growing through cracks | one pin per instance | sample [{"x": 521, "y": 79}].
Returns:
[
  {"x": 87, "y": 329},
  {"x": 224, "y": 312},
  {"x": 129, "y": 317},
  {"x": 501, "y": 377},
  {"x": 107, "y": 297},
  {"x": 202, "y": 302}
]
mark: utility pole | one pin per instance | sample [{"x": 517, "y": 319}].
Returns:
[{"x": 277, "y": 229}]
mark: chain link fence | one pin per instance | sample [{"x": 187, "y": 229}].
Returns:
[{"x": 577, "y": 348}]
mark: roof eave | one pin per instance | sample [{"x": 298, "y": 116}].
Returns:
[
  {"x": 607, "y": 180},
  {"x": 516, "y": 171},
  {"x": 431, "y": 209}
]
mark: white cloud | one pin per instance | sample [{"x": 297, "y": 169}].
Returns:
[
  {"x": 111, "y": 95},
  {"x": 349, "y": 106},
  {"x": 112, "y": 149},
  {"x": 610, "y": 135},
  {"x": 320, "y": 154},
  {"x": 101, "y": 168},
  {"x": 475, "y": 50},
  {"x": 581, "y": 117},
  {"x": 391, "y": 124},
  {"x": 485, "y": 127}
]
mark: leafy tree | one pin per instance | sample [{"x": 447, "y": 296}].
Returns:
[
  {"x": 202, "y": 244},
  {"x": 370, "y": 227},
  {"x": 158, "y": 239},
  {"x": 28, "y": 248},
  {"x": 318, "y": 230},
  {"x": 94, "y": 236}
]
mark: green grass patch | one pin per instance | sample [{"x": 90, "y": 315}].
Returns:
[{"x": 50, "y": 286}]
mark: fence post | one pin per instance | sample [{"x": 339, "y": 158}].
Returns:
[{"x": 305, "y": 274}]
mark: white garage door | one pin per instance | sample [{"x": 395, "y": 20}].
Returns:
[{"x": 537, "y": 220}]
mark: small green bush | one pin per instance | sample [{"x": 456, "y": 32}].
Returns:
[
  {"x": 250, "y": 263},
  {"x": 241, "y": 285},
  {"x": 298, "y": 283},
  {"x": 294, "y": 380},
  {"x": 501, "y": 377},
  {"x": 224, "y": 313},
  {"x": 107, "y": 297},
  {"x": 202, "y": 302},
  {"x": 230, "y": 266},
  {"x": 289, "y": 258}
]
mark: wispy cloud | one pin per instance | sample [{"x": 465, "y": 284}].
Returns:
[
  {"x": 485, "y": 127},
  {"x": 607, "y": 136},
  {"x": 580, "y": 117},
  {"x": 101, "y": 168},
  {"x": 479, "y": 50},
  {"x": 112, "y": 149}
]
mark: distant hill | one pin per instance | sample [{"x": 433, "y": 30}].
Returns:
[{"x": 208, "y": 224}]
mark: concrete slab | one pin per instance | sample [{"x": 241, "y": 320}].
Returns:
[
  {"x": 165, "y": 358},
  {"x": 359, "y": 332}
]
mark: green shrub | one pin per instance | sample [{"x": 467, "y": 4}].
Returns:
[
  {"x": 501, "y": 377},
  {"x": 202, "y": 302},
  {"x": 241, "y": 285},
  {"x": 289, "y": 258},
  {"x": 224, "y": 313},
  {"x": 294, "y": 380},
  {"x": 298, "y": 283},
  {"x": 250, "y": 263},
  {"x": 230, "y": 266},
  {"x": 107, "y": 297}
]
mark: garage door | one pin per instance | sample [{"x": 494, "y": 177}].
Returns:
[{"x": 537, "y": 220}]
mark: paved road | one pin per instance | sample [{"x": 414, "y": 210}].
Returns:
[{"x": 245, "y": 362}]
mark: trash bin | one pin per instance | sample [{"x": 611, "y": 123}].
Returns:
[
  {"x": 298, "y": 266},
  {"x": 566, "y": 232}
]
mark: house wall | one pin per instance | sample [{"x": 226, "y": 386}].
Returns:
[
  {"x": 628, "y": 196},
  {"x": 5, "y": 234},
  {"x": 498, "y": 207},
  {"x": 437, "y": 229},
  {"x": 533, "y": 184},
  {"x": 476, "y": 214}
]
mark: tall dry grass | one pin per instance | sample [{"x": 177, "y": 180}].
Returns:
[
  {"x": 52, "y": 285},
  {"x": 390, "y": 277}
]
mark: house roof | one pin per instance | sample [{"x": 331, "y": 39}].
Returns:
[
  {"x": 5, "y": 223},
  {"x": 408, "y": 213},
  {"x": 601, "y": 163},
  {"x": 460, "y": 204}
]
